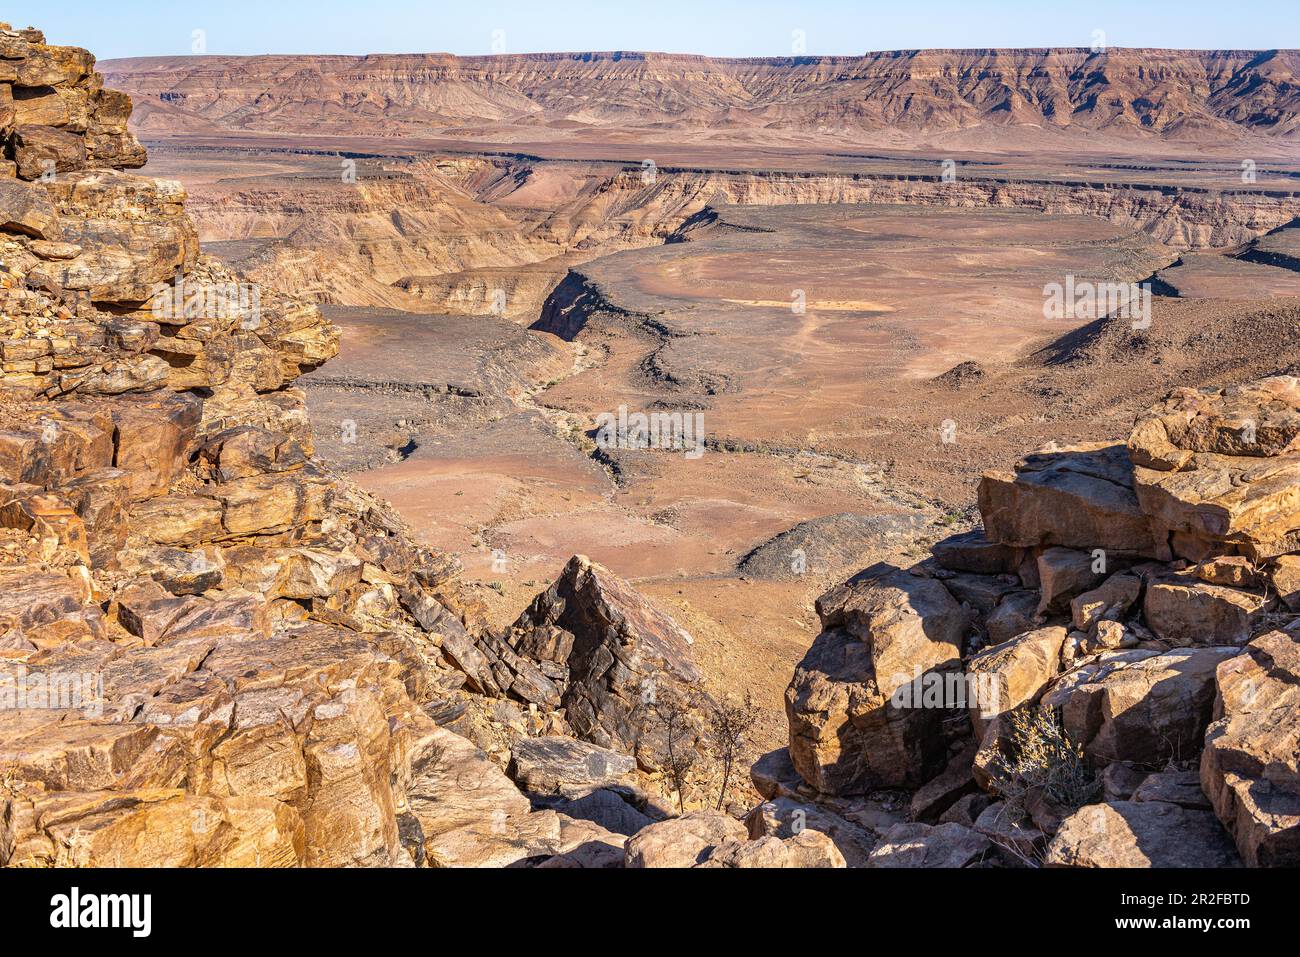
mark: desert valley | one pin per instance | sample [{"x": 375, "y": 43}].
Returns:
[{"x": 596, "y": 460}]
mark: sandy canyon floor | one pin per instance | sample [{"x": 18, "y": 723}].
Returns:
[{"x": 859, "y": 338}]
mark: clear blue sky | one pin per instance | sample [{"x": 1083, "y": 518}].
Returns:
[{"x": 116, "y": 28}]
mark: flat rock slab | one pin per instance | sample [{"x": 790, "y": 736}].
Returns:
[{"x": 1141, "y": 834}]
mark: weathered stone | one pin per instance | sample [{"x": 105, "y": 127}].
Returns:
[
  {"x": 1250, "y": 768},
  {"x": 26, "y": 208},
  {"x": 1015, "y": 614},
  {"x": 806, "y": 849},
  {"x": 42, "y": 152},
  {"x": 1174, "y": 787},
  {"x": 920, "y": 845},
  {"x": 973, "y": 552},
  {"x": 621, "y": 646},
  {"x": 1184, "y": 611},
  {"x": 555, "y": 764},
  {"x": 1079, "y": 498},
  {"x": 786, "y": 817},
  {"x": 1064, "y": 573},
  {"x": 1221, "y": 466},
  {"x": 1141, "y": 834},
  {"x": 1141, "y": 706},
  {"x": 1110, "y": 601},
  {"x": 884, "y": 630},
  {"x": 1006, "y": 676},
  {"x": 682, "y": 841}
]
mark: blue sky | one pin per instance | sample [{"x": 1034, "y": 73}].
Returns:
[{"x": 115, "y": 28}]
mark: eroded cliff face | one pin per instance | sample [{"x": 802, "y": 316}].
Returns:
[
  {"x": 1040, "y": 95},
  {"x": 473, "y": 236},
  {"x": 212, "y": 650}
]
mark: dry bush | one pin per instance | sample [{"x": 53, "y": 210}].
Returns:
[{"x": 1044, "y": 763}]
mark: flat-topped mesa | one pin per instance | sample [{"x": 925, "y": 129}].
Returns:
[{"x": 1138, "y": 603}]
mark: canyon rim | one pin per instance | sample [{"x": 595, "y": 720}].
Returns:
[{"x": 634, "y": 460}]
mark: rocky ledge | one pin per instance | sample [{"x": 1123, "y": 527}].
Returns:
[{"x": 1106, "y": 674}]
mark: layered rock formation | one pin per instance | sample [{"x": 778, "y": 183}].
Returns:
[
  {"x": 212, "y": 650},
  {"x": 1180, "y": 95},
  {"x": 1114, "y": 627}
]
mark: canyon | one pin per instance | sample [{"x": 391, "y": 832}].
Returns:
[{"x": 368, "y": 533}]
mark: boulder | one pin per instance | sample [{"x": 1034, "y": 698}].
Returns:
[
  {"x": 1142, "y": 706},
  {"x": 805, "y": 849},
  {"x": 682, "y": 841},
  {"x": 973, "y": 552},
  {"x": 1141, "y": 834},
  {"x": 921, "y": 845},
  {"x": 884, "y": 631},
  {"x": 620, "y": 653},
  {"x": 1250, "y": 768},
  {"x": 1080, "y": 498},
  {"x": 554, "y": 764},
  {"x": 1183, "y": 610},
  {"x": 1218, "y": 470},
  {"x": 1064, "y": 573},
  {"x": 1006, "y": 676},
  {"x": 1015, "y": 614},
  {"x": 1110, "y": 601},
  {"x": 786, "y": 818}
]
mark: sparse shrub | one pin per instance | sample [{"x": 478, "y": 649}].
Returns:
[
  {"x": 1044, "y": 763},
  {"x": 730, "y": 724}
]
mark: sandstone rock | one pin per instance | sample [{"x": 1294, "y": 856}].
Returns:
[
  {"x": 1232, "y": 570},
  {"x": 25, "y": 208},
  {"x": 1284, "y": 577},
  {"x": 1250, "y": 768},
  {"x": 682, "y": 841},
  {"x": 614, "y": 810},
  {"x": 1219, "y": 466},
  {"x": 940, "y": 793},
  {"x": 44, "y": 151},
  {"x": 1174, "y": 787},
  {"x": 1080, "y": 498},
  {"x": 1184, "y": 611},
  {"x": 973, "y": 552},
  {"x": 1009, "y": 675},
  {"x": 1064, "y": 573},
  {"x": 1012, "y": 831},
  {"x": 1111, "y": 601},
  {"x": 774, "y": 775},
  {"x": 584, "y": 845},
  {"x": 920, "y": 845},
  {"x": 1141, "y": 834},
  {"x": 554, "y": 764},
  {"x": 883, "y": 630},
  {"x": 1015, "y": 614},
  {"x": 786, "y": 818},
  {"x": 1141, "y": 706},
  {"x": 805, "y": 849}
]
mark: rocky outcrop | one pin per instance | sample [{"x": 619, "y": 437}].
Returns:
[
  {"x": 214, "y": 651},
  {"x": 1110, "y": 675},
  {"x": 851, "y": 730},
  {"x": 608, "y": 654},
  {"x": 1250, "y": 768}
]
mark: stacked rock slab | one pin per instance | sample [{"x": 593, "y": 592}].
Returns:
[
  {"x": 1140, "y": 592},
  {"x": 212, "y": 651}
]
